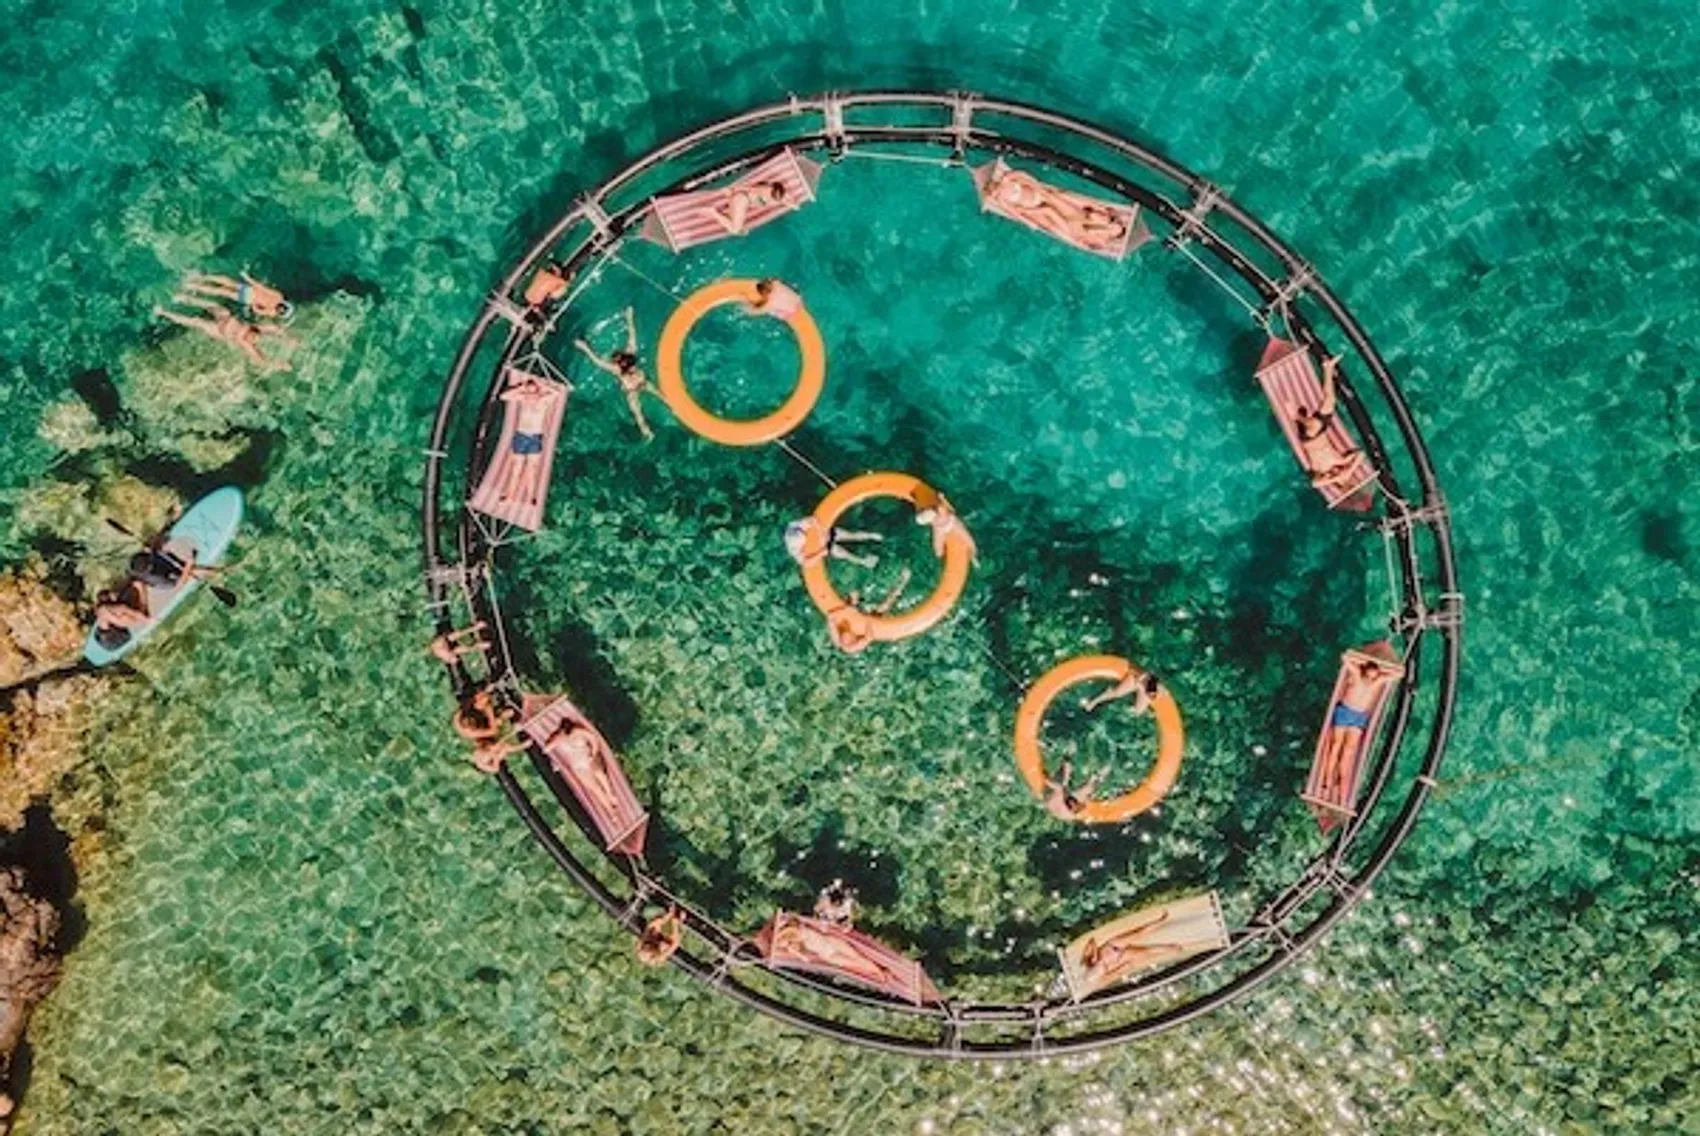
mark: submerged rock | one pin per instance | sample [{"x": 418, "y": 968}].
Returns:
[
  {"x": 40, "y": 740},
  {"x": 39, "y": 630},
  {"x": 29, "y": 968}
]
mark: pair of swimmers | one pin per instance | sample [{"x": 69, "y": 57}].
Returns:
[
  {"x": 1057, "y": 211},
  {"x": 265, "y": 307},
  {"x": 1068, "y": 803}
]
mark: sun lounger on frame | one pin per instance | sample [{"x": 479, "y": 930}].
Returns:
[
  {"x": 1332, "y": 788},
  {"x": 800, "y": 942},
  {"x": 613, "y": 806},
  {"x": 1104, "y": 228},
  {"x": 1288, "y": 377},
  {"x": 683, "y": 220},
  {"x": 526, "y": 509}
]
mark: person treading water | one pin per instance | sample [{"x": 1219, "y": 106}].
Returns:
[
  {"x": 798, "y": 532},
  {"x": 623, "y": 365}
]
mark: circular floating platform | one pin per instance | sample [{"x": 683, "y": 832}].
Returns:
[{"x": 670, "y": 378}]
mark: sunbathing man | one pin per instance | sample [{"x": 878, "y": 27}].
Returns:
[
  {"x": 623, "y": 365},
  {"x": 734, "y": 212},
  {"x": 1141, "y": 685},
  {"x": 942, "y": 519},
  {"x": 661, "y": 938},
  {"x": 775, "y": 298},
  {"x": 226, "y": 328},
  {"x": 797, "y": 535},
  {"x": 448, "y": 647},
  {"x": 582, "y": 758},
  {"x": 528, "y": 399},
  {"x": 1324, "y": 458},
  {"x": 1118, "y": 955},
  {"x": 1348, "y": 722},
  {"x": 1065, "y": 803},
  {"x": 258, "y": 299}
]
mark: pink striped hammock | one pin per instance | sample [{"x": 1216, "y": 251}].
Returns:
[
  {"x": 683, "y": 220},
  {"x": 801, "y": 942},
  {"x": 1331, "y": 791},
  {"x": 613, "y": 806},
  {"x": 526, "y": 511},
  {"x": 1288, "y": 376},
  {"x": 1110, "y": 243}
]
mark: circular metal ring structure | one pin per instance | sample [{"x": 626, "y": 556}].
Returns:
[{"x": 1198, "y": 222}]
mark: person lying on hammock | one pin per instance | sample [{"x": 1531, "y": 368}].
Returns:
[
  {"x": 226, "y": 328},
  {"x": 528, "y": 399},
  {"x": 1349, "y": 721},
  {"x": 797, "y": 535},
  {"x": 802, "y": 939},
  {"x": 661, "y": 938},
  {"x": 1107, "y": 961},
  {"x": 1142, "y": 686},
  {"x": 1065, "y": 803},
  {"x": 733, "y": 214},
  {"x": 259, "y": 300},
  {"x": 1325, "y": 458},
  {"x": 1056, "y": 211},
  {"x": 623, "y": 365},
  {"x": 580, "y": 755},
  {"x": 943, "y": 521}
]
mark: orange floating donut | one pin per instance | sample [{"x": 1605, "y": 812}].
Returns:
[
  {"x": 958, "y": 554},
  {"x": 670, "y": 378},
  {"x": 1171, "y": 737}
]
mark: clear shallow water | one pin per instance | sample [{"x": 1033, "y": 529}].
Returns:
[{"x": 307, "y": 913}]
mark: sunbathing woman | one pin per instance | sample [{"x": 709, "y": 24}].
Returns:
[
  {"x": 1141, "y": 685},
  {"x": 1120, "y": 954},
  {"x": 529, "y": 398},
  {"x": 448, "y": 647},
  {"x": 734, "y": 213},
  {"x": 226, "y": 328},
  {"x": 1348, "y": 722},
  {"x": 1057, "y": 212},
  {"x": 1324, "y": 458},
  {"x": 582, "y": 759},
  {"x": 256, "y": 298},
  {"x": 851, "y": 629},
  {"x": 661, "y": 938},
  {"x": 805, "y": 941},
  {"x": 775, "y": 298},
  {"x": 623, "y": 365},
  {"x": 1065, "y": 803},
  {"x": 797, "y": 535},
  {"x": 942, "y": 519}
]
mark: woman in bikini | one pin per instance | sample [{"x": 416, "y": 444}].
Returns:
[
  {"x": 1141, "y": 686},
  {"x": 806, "y": 941},
  {"x": 623, "y": 365},
  {"x": 1324, "y": 458},
  {"x": 258, "y": 299},
  {"x": 582, "y": 759},
  {"x": 733, "y": 214},
  {"x": 1112, "y": 959},
  {"x": 942, "y": 519},
  {"x": 775, "y": 298},
  {"x": 549, "y": 285},
  {"x": 851, "y": 629},
  {"x": 528, "y": 400},
  {"x": 1065, "y": 803}
]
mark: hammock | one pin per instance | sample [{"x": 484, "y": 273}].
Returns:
[
  {"x": 1060, "y": 213},
  {"x": 1140, "y": 940},
  {"x": 526, "y": 512},
  {"x": 799, "y": 942},
  {"x": 682, "y": 220},
  {"x": 1332, "y": 792},
  {"x": 1289, "y": 378},
  {"x": 613, "y": 807}
]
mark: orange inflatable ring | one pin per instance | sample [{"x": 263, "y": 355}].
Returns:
[
  {"x": 1171, "y": 737},
  {"x": 958, "y": 553},
  {"x": 728, "y": 431}
]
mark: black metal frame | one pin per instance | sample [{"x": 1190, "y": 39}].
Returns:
[{"x": 1429, "y": 603}]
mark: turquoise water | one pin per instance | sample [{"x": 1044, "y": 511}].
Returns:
[{"x": 305, "y": 913}]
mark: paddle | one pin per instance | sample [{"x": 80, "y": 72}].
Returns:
[{"x": 225, "y": 595}]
